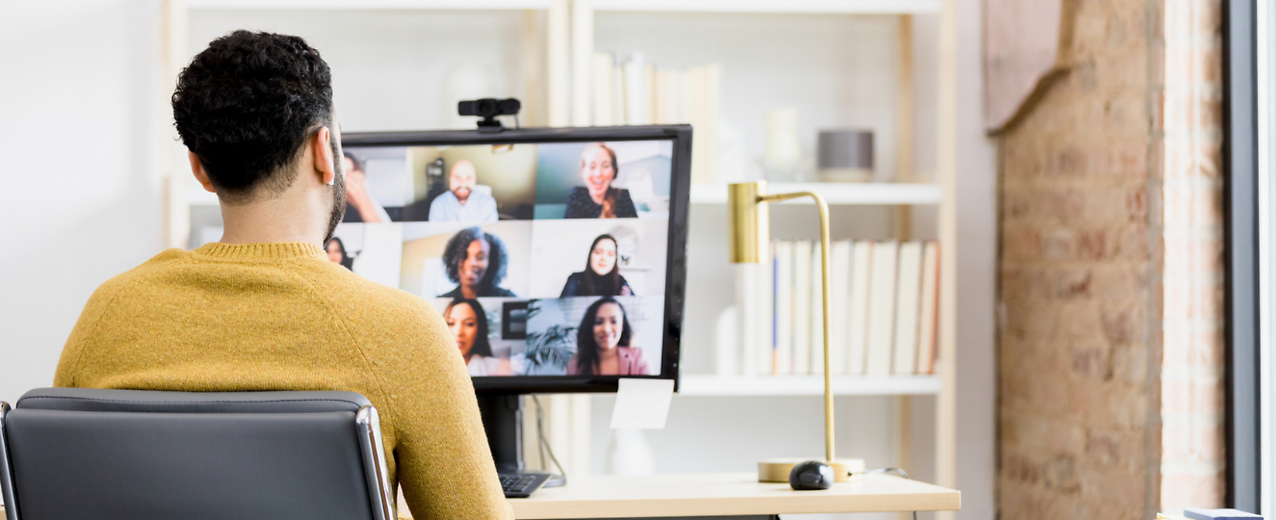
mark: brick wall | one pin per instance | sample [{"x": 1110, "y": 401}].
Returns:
[{"x": 1110, "y": 345}]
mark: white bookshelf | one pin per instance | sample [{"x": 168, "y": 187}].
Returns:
[
  {"x": 773, "y": 6},
  {"x": 836, "y": 193},
  {"x": 715, "y": 385}
]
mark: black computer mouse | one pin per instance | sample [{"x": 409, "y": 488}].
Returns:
[{"x": 811, "y": 474}]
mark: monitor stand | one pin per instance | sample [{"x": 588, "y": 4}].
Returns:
[{"x": 503, "y": 422}]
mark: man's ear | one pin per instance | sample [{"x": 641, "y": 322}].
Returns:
[
  {"x": 325, "y": 163},
  {"x": 197, "y": 168}
]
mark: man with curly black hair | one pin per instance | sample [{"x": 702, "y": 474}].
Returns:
[
  {"x": 476, "y": 263},
  {"x": 264, "y": 309}
]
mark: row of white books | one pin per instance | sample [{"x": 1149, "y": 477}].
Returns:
[
  {"x": 884, "y": 303},
  {"x": 634, "y": 92}
]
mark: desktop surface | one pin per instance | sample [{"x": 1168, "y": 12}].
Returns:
[{"x": 724, "y": 494}]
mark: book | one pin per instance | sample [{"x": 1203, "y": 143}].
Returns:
[
  {"x": 713, "y": 102},
  {"x": 840, "y": 301},
  {"x": 857, "y": 320},
  {"x": 881, "y": 310},
  {"x": 663, "y": 112},
  {"x": 783, "y": 308},
  {"x": 766, "y": 321},
  {"x": 699, "y": 123},
  {"x": 907, "y": 305},
  {"x": 801, "y": 307},
  {"x": 748, "y": 297},
  {"x": 618, "y": 95},
  {"x": 635, "y": 72},
  {"x": 817, "y": 309},
  {"x": 604, "y": 62},
  {"x": 928, "y": 328}
]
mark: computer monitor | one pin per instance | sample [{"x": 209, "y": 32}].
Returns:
[{"x": 555, "y": 255}]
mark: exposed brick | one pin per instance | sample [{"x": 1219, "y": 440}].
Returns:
[
  {"x": 1111, "y": 271},
  {"x": 1072, "y": 283},
  {"x": 1060, "y": 474},
  {"x": 1091, "y": 362}
]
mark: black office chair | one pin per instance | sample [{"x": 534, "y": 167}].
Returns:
[{"x": 71, "y": 453}]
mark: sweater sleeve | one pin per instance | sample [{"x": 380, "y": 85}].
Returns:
[
  {"x": 68, "y": 372},
  {"x": 443, "y": 461}
]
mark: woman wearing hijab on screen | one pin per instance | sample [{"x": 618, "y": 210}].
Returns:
[
  {"x": 468, "y": 323},
  {"x": 601, "y": 276},
  {"x": 597, "y": 199},
  {"x": 602, "y": 343},
  {"x": 476, "y": 262}
]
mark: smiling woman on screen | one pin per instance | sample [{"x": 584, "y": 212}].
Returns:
[
  {"x": 603, "y": 343},
  {"x": 476, "y": 262},
  {"x": 468, "y": 323},
  {"x": 597, "y": 199}
]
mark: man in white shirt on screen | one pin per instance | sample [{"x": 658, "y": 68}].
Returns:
[{"x": 465, "y": 201}]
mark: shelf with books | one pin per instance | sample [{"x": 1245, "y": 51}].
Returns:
[
  {"x": 771, "y": 6},
  {"x": 715, "y": 385},
  {"x": 883, "y": 193}
]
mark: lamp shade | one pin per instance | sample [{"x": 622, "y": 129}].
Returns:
[{"x": 749, "y": 221}]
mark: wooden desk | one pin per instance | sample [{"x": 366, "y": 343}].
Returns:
[{"x": 724, "y": 494}]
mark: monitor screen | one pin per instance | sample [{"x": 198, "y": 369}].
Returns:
[{"x": 554, "y": 255}]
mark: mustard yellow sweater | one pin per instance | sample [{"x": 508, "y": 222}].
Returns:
[{"x": 260, "y": 317}]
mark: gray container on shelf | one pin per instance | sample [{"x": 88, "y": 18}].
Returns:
[{"x": 845, "y": 155}]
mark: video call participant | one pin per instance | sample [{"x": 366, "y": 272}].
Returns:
[
  {"x": 597, "y": 199},
  {"x": 463, "y": 202},
  {"x": 602, "y": 343},
  {"x": 476, "y": 262},
  {"x": 336, "y": 250},
  {"x": 264, "y": 309},
  {"x": 468, "y": 324},
  {"x": 601, "y": 276},
  {"x": 366, "y": 209}
]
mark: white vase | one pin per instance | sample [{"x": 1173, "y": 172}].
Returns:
[{"x": 630, "y": 454}]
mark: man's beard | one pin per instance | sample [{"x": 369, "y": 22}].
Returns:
[{"x": 338, "y": 192}]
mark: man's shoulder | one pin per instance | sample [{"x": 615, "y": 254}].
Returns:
[
  {"x": 152, "y": 267},
  {"x": 357, "y": 298}
]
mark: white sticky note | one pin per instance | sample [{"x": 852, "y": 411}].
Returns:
[{"x": 642, "y": 403}]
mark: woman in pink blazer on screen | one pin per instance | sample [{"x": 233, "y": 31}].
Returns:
[{"x": 602, "y": 343}]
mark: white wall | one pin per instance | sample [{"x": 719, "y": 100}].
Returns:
[
  {"x": 977, "y": 271},
  {"x": 78, "y": 106}
]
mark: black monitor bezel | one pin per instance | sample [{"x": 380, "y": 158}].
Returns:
[{"x": 675, "y": 269}]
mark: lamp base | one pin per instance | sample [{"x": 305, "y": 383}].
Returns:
[{"x": 777, "y": 470}]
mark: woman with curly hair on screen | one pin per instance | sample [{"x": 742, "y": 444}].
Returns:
[
  {"x": 603, "y": 343},
  {"x": 475, "y": 261},
  {"x": 468, "y": 323}
]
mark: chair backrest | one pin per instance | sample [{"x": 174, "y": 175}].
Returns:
[{"x": 130, "y": 454}]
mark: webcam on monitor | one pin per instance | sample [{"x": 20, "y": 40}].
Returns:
[{"x": 488, "y": 109}]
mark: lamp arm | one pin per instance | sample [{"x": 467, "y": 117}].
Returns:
[{"x": 825, "y": 273}]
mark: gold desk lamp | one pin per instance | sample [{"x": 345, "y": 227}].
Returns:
[{"x": 750, "y": 230}]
